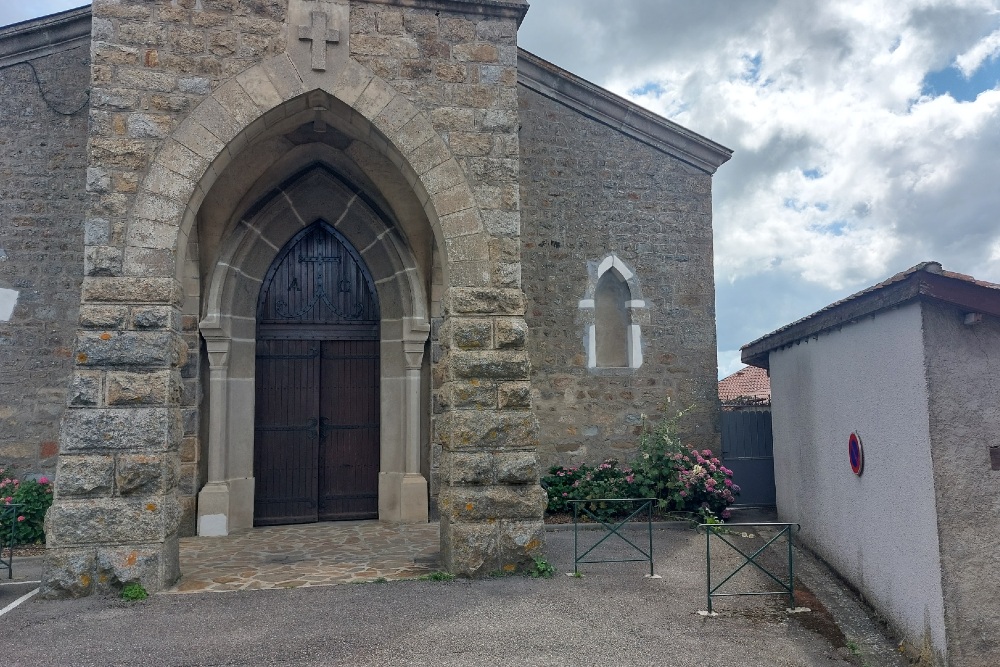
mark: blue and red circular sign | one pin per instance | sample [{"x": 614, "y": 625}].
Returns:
[{"x": 856, "y": 453}]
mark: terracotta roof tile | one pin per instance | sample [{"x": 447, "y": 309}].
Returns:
[{"x": 747, "y": 383}]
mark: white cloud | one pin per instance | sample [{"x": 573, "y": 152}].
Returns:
[
  {"x": 985, "y": 49},
  {"x": 845, "y": 170}
]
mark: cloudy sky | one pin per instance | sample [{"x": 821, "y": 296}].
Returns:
[{"x": 866, "y": 132}]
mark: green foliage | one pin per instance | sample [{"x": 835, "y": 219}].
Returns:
[
  {"x": 437, "y": 576},
  {"x": 682, "y": 478},
  {"x": 541, "y": 568},
  {"x": 583, "y": 482},
  {"x": 134, "y": 592},
  {"x": 33, "y": 498}
]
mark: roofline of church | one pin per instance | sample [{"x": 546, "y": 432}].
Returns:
[
  {"x": 618, "y": 113},
  {"x": 43, "y": 36},
  {"x": 36, "y": 38},
  {"x": 502, "y": 8}
]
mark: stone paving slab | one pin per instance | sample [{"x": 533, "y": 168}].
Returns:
[{"x": 315, "y": 554}]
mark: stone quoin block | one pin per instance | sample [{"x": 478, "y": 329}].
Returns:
[
  {"x": 492, "y": 365},
  {"x": 473, "y": 301},
  {"x": 90, "y": 430},
  {"x": 156, "y": 388},
  {"x": 145, "y": 474},
  {"x": 144, "y": 349},
  {"x": 111, "y": 520},
  {"x": 85, "y": 476}
]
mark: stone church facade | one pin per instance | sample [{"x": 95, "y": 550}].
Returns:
[{"x": 269, "y": 261}]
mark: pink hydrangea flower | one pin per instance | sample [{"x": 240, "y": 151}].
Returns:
[
  {"x": 43, "y": 480},
  {"x": 729, "y": 482},
  {"x": 20, "y": 518}
]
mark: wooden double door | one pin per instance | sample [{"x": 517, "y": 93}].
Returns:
[{"x": 316, "y": 430}]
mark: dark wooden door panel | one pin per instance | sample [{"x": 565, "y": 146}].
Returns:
[
  {"x": 316, "y": 435},
  {"x": 349, "y": 429},
  {"x": 286, "y": 433}
]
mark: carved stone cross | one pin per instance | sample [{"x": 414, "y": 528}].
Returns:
[{"x": 319, "y": 36}]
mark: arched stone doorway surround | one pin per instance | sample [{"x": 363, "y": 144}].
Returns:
[
  {"x": 491, "y": 504},
  {"x": 249, "y": 248}
]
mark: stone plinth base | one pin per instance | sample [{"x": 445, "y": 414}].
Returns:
[
  {"x": 483, "y": 546},
  {"x": 79, "y": 571}
]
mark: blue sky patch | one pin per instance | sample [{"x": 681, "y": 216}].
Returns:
[
  {"x": 752, "y": 67},
  {"x": 649, "y": 88},
  {"x": 951, "y": 81},
  {"x": 812, "y": 174}
]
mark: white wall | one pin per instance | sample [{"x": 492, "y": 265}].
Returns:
[{"x": 878, "y": 530}]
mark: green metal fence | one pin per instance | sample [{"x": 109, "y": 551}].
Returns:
[
  {"x": 8, "y": 517},
  {"x": 613, "y": 527},
  {"x": 723, "y": 533}
]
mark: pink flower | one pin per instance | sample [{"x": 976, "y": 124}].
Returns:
[
  {"x": 726, "y": 514},
  {"x": 706, "y": 452},
  {"x": 700, "y": 460},
  {"x": 629, "y": 478},
  {"x": 565, "y": 494},
  {"x": 710, "y": 482},
  {"x": 729, "y": 482},
  {"x": 20, "y": 518},
  {"x": 683, "y": 494},
  {"x": 8, "y": 500},
  {"x": 43, "y": 480},
  {"x": 712, "y": 468}
]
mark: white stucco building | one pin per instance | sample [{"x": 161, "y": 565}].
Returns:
[{"x": 911, "y": 366}]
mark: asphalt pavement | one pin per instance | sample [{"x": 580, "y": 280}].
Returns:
[{"x": 612, "y": 615}]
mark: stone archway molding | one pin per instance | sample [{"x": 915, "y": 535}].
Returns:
[
  {"x": 225, "y": 504},
  {"x": 242, "y": 109}
]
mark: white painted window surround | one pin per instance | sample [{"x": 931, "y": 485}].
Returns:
[
  {"x": 8, "y": 299},
  {"x": 634, "y": 336}
]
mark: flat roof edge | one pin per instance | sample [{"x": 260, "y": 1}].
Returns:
[
  {"x": 618, "y": 113},
  {"x": 37, "y": 38},
  {"x": 925, "y": 282}
]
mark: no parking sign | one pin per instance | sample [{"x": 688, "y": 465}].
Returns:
[{"x": 856, "y": 453}]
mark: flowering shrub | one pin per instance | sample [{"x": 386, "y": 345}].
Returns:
[
  {"x": 682, "y": 478},
  {"x": 34, "y": 498},
  {"x": 583, "y": 482}
]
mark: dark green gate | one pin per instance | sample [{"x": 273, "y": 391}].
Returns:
[{"x": 747, "y": 450}]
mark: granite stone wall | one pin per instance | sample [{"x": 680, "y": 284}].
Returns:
[
  {"x": 180, "y": 91},
  {"x": 42, "y": 168},
  {"x": 588, "y": 191}
]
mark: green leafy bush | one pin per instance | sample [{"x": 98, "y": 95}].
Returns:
[
  {"x": 682, "y": 478},
  {"x": 33, "y": 498},
  {"x": 583, "y": 482}
]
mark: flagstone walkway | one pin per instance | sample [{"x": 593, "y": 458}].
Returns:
[{"x": 315, "y": 554}]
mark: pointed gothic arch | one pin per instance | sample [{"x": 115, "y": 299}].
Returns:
[{"x": 613, "y": 309}]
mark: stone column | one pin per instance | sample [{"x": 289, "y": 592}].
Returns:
[
  {"x": 115, "y": 514},
  {"x": 213, "y": 499},
  {"x": 491, "y": 504},
  {"x": 413, "y": 492}
]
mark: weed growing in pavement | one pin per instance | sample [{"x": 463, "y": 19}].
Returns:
[
  {"x": 134, "y": 592},
  {"x": 541, "y": 568},
  {"x": 437, "y": 576}
]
